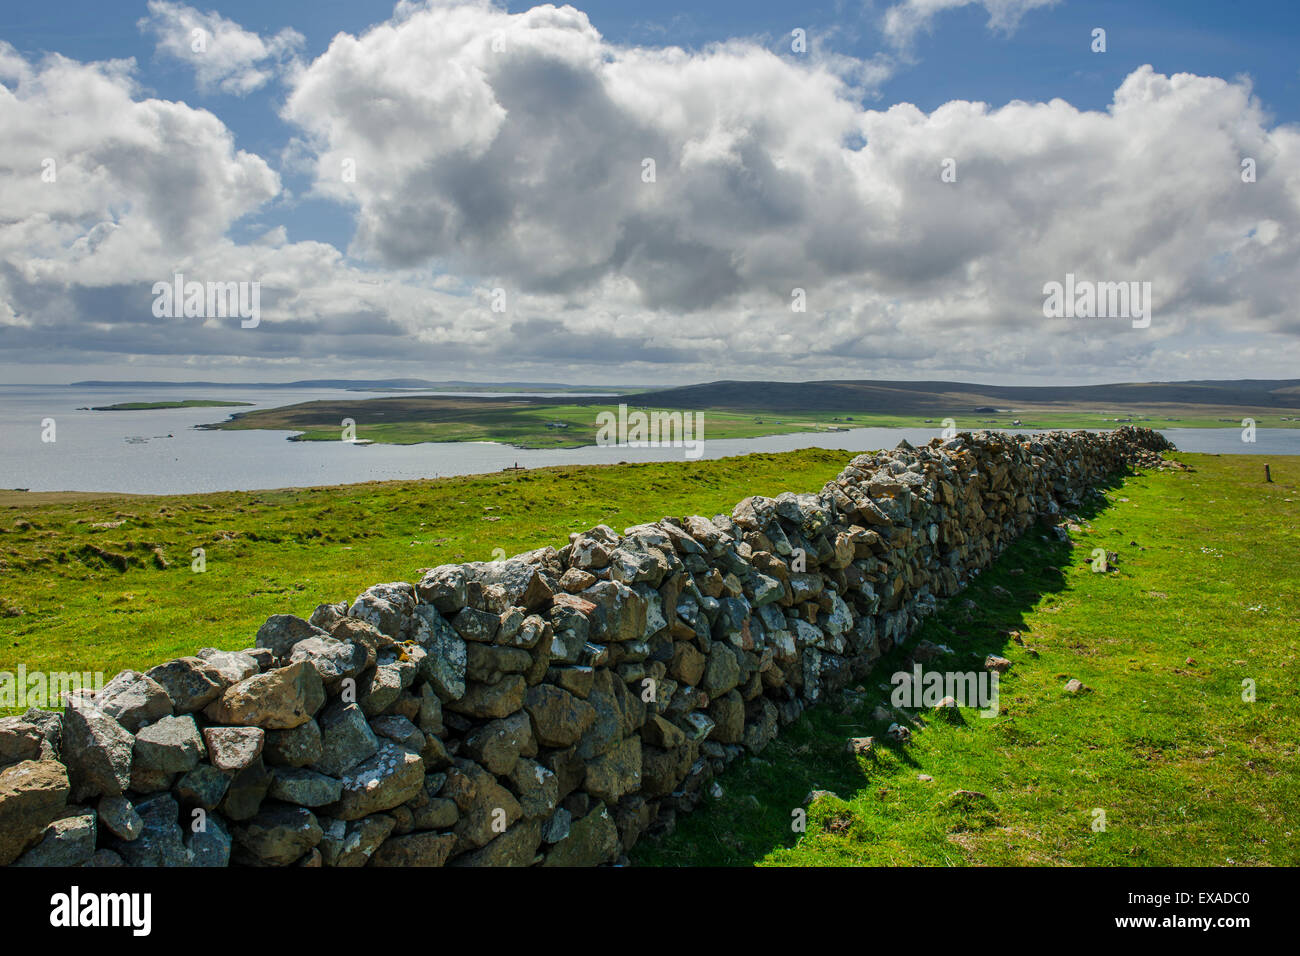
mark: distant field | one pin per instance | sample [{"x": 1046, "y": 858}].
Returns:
[
  {"x": 1187, "y": 772},
  {"x": 533, "y": 423},
  {"x": 149, "y": 406},
  {"x": 525, "y": 424},
  {"x": 101, "y": 582}
]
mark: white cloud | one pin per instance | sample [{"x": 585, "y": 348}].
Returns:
[
  {"x": 521, "y": 168},
  {"x": 903, "y": 21},
  {"x": 224, "y": 55}
]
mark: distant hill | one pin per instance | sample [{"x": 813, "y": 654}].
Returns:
[
  {"x": 363, "y": 385},
  {"x": 955, "y": 397}
]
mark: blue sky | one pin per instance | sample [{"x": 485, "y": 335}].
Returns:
[{"x": 684, "y": 286}]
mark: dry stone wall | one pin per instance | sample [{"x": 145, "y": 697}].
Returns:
[{"x": 547, "y": 709}]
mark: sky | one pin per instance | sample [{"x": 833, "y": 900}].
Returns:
[{"x": 644, "y": 193}]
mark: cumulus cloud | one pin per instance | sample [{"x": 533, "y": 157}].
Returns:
[
  {"x": 224, "y": 55},
  {"x": 481, "y": 150}
]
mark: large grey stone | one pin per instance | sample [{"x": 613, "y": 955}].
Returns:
[
  {"x": 346, "y": 739},
  {"x": 282, "y": 631},
  {"x": 277, "y": 700},
  {"x": 133, "y": 700},
  {"x": 171, "y": 745},
  {"x": 277, "y": 836},
  {"x": 97, "y": 751},
  {"x": 191, "y": 683}
]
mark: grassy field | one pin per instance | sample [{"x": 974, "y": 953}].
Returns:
[
  {"x": 1206, "y": 596},
  {"x": 408, "y": 419},
  {"x": 95, "y": 582}
]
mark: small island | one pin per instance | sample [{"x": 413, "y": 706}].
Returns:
[{"x": 150, "y": 406}]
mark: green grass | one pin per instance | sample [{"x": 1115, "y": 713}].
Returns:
[
  {"x": 83, "y": 598},
  {"x": 151, "y": 406},
  {"x": 1207, "y": 594}
]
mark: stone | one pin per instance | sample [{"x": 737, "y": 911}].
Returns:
[
  {"x": 19, "y": 741},
  {"x": 486, "y": 808},
  {"x": 234, "y": 748},
  {"x": 437, "y": 814},
  {"x": 32, "y": 794},
  {"x": 298, "y": 746},
  {"x": 233, "y": 666},
  {"x": 995, "y": 663},
  {"x": 559, "y": 719},
  {"x": 277, "y": 700},
  {"x": 517, "y": 846},
  {"x": 616, "y": 772},
  {"x": 444, "y": 666},
  {"x": 145, "y": 780},
  {"x": 521, "y": 581},
  {"x": 389, "y": 778},
  {"x": 118, "y": 816},
  {"x": 68, "y": 841},
  {"x": 491, "y": 700},
  {"x": 277, "y": 836},
  {"x": 211, "y": 845},
  {"x": 50, "y": 724},
  {"x": 306, "y": 788},
  {"x": 487, "y": 663},
  {"x": 591, "y": 841},
  {"x": 663, "y": 733},
  {"x": 160, "y": 842},
  {"x": 133, "y": 700},
  {"x": 282, "y": 631},
  {"x": 415, "y": 849},
  {"x": 346, "y": 739},
  {"x": 728, "y": 715},
  {"x": 429, "y": 716},
  {"x": 860, "y": 746},
  {"x": 202, "y": 787},
  {"x": 578, "y": 681},
  {"x": 557, "y": 826},
  {"x": 575, "y": 579},
  {"x": 1075, "y": 686},
  {"x": 475, "y": 625},
  {"x": 334, "y": 661},
  {"x": 351, "y": 843},
  {"x": 380, "y": 688},
  {"x": 687, "y": 664},
  {"x": 385, "y": 607},
  {"x": 97, "y": 751},
  {"x": 246, "y": 791},
  {"x": 171, "y": 745},
  {"x": 400, "y": 730},
  {"x": 444, "y": 587},
  {"x": 536, "y": 788},
  {"x": 721, "y": 672},
  {"x": 497, "y": 744},
  {"x": 191, "y": 683}
]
